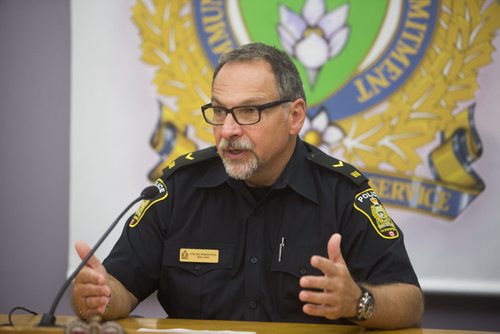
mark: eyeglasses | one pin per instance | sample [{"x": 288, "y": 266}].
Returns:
[{"x": 243, "y": 115}]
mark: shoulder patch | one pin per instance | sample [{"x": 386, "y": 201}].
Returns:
[
  {"x": 190, "y": 158},
  {"x": 146, "y": 204},
  {"x": 368, "y": 203},
  {"x": 331, "y": 163}
]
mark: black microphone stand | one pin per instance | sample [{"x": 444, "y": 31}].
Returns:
[{"x": 49, "y": 319}]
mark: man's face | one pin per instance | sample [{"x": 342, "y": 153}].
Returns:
[{"x": 259, "y": 152}]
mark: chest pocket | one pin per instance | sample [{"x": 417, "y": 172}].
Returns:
[
  {"x": 284, "y": 279},
  {"x": 295, "y": 261},
  {"x": 188, "y": 288}
]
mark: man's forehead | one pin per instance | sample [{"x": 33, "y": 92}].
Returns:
[
  {"x": 251, "y": 68},
  {"x": 244, "y": 83}
]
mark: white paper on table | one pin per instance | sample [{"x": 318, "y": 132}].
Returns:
[{"x": 190, "y": 331}]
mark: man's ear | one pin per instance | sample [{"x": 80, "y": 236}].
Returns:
[{"x": 297, "y": 115}]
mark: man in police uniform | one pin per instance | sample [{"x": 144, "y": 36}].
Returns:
[{"x": 262, "y": 227}]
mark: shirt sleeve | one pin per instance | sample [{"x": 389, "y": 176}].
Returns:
[
  {"x": 372, "y": 244},
  {"x": 135, "y": 259}
]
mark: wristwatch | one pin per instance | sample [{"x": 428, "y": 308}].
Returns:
[{"x": 366, "y": 304}]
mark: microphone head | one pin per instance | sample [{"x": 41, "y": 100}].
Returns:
[{"x": 150, "y": 192}]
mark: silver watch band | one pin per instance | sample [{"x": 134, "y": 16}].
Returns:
[{"x": 366, "y": 304}]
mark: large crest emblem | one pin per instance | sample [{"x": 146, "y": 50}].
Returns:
[{"x": 390, "y": 83}]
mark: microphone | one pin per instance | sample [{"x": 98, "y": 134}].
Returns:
[{"x": 49, "y": 319}]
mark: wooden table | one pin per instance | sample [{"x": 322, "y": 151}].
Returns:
[{"x": 28, "y": 324}]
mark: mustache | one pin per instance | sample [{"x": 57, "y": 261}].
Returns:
[{"x": 236, "y": 144}]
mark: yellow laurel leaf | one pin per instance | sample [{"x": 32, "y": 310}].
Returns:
[
  {"x": 425, "y": 104},
  {"x": 170, "y": 44}
]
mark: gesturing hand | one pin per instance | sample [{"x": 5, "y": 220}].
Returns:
[
  {"x": 334, "y": 295},
  {"x": 91, "y": 290}
]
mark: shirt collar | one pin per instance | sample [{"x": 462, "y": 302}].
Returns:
[
  {"x": 297, "y": 175},
  {"x": 214, "y": 176}
]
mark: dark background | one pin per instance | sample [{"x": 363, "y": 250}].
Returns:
[{"x": 35, "y": 53}]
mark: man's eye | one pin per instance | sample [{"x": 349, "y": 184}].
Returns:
[
  {"x": 219, "y": 111},
  {"x": 247, "y": 110}
]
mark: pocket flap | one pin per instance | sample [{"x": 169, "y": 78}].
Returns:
[{"x": 295, "y": 261}]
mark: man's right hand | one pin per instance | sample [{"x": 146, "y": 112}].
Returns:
[{"x": 91, "y": 288}]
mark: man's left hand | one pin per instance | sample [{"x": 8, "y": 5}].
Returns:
[{"x": 335, "y": 294}]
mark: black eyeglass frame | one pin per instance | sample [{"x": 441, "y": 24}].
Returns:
[{"x": 259, "y": 108}]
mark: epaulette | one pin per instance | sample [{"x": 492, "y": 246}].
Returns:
[
  {"x": 190, "y": 158},
  {"x": 319, "y": 157}
]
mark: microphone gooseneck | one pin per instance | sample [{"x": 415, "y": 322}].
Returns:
[{"x": 49, "y": 319}]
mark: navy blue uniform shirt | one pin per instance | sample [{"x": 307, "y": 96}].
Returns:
[{"x": 214, "y": 251}]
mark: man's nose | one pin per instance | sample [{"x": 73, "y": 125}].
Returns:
[{"x": 230, "y": 128}]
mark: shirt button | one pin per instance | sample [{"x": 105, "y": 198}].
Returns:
[
  {"x": 197, "y": 266},
  {"x": 252, "y": 304},
  {"x": 303, "y": 271},
  {"x": 253, "y": 260}
]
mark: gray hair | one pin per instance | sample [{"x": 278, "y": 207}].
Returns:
[{"x": 288, "y": 82}]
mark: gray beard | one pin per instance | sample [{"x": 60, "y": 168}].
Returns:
[
  {"x": 237, "y": 169},
  {"x": 241, "y": 170}
]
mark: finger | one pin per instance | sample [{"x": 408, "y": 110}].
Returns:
[
  {"x": 91, "y": 290},
  {"x": 102, "y": 309},
  {"x": 327, "y": 311},
  {"x": 334, "y": 252},
  {"x": 82, "y": 248},
  {"x": 97, "y": 303},
  {"x": 90, "y": 276},
  {"x": 319, "y": 298},
  {"x": 326, "y": 266},
  {"x": 315, "y": 282},
  {"x": 90, "y": 312}
]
